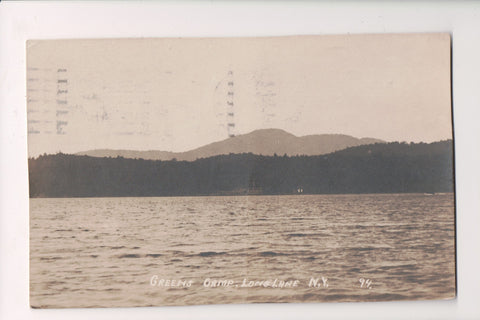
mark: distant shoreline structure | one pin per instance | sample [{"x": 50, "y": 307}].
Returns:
[{"x": 452, "y": 193}]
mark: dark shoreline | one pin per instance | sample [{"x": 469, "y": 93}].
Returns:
[{"x": 368, "y": 169}]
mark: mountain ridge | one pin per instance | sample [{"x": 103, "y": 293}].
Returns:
[{"x": 265, "y": 142}]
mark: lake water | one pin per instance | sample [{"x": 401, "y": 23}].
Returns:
[{"x": 119, "y": 252}]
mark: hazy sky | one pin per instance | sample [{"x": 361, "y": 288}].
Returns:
[{"x": 173, "y": 94}]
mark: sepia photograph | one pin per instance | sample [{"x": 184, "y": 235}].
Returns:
[{"x": 194, "y": 171}]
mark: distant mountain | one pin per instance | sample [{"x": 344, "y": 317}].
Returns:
[{"x": 265, "y": 142}]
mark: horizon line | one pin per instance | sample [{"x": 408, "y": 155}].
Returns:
[{"x": 238, "y": 135}]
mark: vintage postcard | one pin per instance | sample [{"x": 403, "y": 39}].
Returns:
[{"x": 190, "y": 171}]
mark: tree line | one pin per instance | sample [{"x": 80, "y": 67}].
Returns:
[{"x": 378, "y": 168}]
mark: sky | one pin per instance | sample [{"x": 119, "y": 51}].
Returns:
[{"x": 176, "y": 94}]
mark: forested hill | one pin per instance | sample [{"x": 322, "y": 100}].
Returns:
[
  {"x": 265, "y": 142},
  {"x": 377, "y": 168}
]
